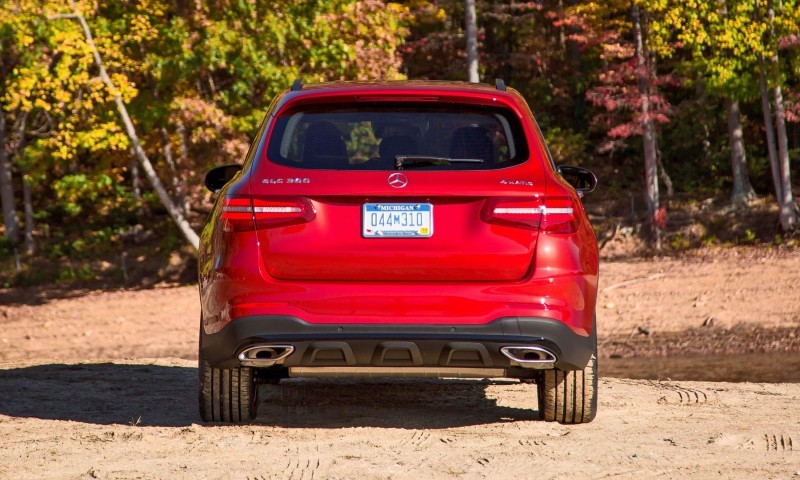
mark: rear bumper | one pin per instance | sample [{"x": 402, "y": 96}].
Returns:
[{"x": 393, "y": 345}]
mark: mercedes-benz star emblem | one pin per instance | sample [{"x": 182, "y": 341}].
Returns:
[{"x": 398, "y": 180}]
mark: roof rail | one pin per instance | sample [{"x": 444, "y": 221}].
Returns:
[
  {"x": 500, "y": 84},
  {"x": 297, "y": 85}
]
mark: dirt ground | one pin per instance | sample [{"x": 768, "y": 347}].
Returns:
[{"x": 103, "y": 385}]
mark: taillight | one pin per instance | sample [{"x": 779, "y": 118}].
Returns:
[
  {"x": 513, "y": 212},
  {"x": 237, "y": 214},
  {"x": 283, "y": 212},
  {"x": 554, "y": 214},
  {"x": 245, "y": 213},
  {"x": 558, "y": 215}
]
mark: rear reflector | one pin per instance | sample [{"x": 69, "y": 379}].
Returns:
[
  {"x": 245, "y": 213},
  {"x": 258, "y": 210},
  {"x": 516, "y": 211},
  {"x": 512, "y": 212},
  {"x": 558, "y": 216},
  {"x": 271, "y": 213},
  {"x": 557, "y": 211}
]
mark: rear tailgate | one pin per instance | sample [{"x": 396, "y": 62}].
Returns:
[{"x": 462, "y": 243}]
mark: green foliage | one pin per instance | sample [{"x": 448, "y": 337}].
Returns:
[
  {"x": 567, "y": 146},
  {"x": 196, "y": 77},
  {"x": 75, "y": 192},
  {"x": 709, "y": 240},
  {"x": 749, "y": 238},
  {"x": 679, "y": 242},
  {"x": 694, "y": 147}
]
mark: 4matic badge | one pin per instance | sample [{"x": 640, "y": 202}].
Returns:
[{"x": 525, "y": 183}]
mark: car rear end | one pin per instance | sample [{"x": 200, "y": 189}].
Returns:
[{"x": 412, "y": 229}]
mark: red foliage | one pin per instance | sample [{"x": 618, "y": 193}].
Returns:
[
  {"x": 617, "y": 93},
  {"x": 790, "y": 41},
  {"x": 619, "y": 96},
  {"x": 791, "y": 106},
  {"x": 660, "y": 218}
]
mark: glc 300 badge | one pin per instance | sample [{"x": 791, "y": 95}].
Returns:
[{"x": 278, "y": 181}]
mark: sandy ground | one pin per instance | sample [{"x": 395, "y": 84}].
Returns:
[
  {"x": 102, "y": 385},
  {"x": 730, "y": 288},
  {"x": 730, "y": 291}
]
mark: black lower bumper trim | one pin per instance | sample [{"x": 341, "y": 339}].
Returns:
[{"x": 361, "y": 345}]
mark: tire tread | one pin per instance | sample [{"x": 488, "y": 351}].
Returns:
[
  {"x": 569, "y": 397},
  {"x": 226, "y": 394}
]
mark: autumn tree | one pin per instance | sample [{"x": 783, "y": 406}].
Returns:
[
  {"x": 781, "y": 24},
  {"x": 721, "y": 47},
  {"x": 183, "y": 84},
  {"x": 627, "y": 92},
  {"x": 471, "y": 31}
]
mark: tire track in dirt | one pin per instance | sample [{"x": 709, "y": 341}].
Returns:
[
  {"x": 417, "y": 438},
  {"x": 778, "y": 442},
  {"x": 303, "y": 464},
  {"x": 685, "y": 396},
  {"x": 769, "y": 443}
]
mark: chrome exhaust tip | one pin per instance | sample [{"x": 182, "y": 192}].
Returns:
[
  {"x": 530, "y": 356},
  {"x": 264, "y": 355}
]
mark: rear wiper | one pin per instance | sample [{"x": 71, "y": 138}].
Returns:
[{"x": 412, "y": 161}]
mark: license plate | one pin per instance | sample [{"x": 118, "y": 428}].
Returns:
[{"x": 393, "y": 220}]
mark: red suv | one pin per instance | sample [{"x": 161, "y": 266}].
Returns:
[{"x": 398, "y": 229}]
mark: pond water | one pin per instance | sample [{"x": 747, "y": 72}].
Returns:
[{"x": 754, "y": 367}]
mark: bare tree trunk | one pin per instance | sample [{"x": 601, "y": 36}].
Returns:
[
  {"x": 181, "y": 129},
  {"x": 7, "y": 187},
  {"x": 174, "y": 212},
  {"x": 787, "y": 208},
  {"x": 662, "y": 172},
  {"x": 770, "y": 128},
  {"x": 27, "y": 202},
  {"x": 135, "y": 184},
  {"x": 649, "y": 137},
  {"x": 742, "y": 190},
  {"x": 652, "y": 90},
  {"x": 177, "y": 191},
  {"x": 184, "y": 160},
  {"x": 471, "y": 28},
  {"x": 562, "y": 34}
]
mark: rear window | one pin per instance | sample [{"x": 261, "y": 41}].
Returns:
[{"x": 372, "y": 137}]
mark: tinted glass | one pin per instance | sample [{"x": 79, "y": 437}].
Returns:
[{"x": 370, "y": 138}]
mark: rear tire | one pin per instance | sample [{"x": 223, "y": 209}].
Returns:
[
  {"x": 227, "y": 395},
  {"x": 569, "y": 397}
]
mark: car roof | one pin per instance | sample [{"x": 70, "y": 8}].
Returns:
[
  {"x": 389, "y": 85},
  {"x": 400, "y": 90}
]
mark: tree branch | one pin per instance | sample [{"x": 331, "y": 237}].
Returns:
[
  {"x": 70, "y": 16},
  {"x": 144, "y": 161}
]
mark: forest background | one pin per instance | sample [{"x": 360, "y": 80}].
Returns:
[{"x": 688, "y": 112}]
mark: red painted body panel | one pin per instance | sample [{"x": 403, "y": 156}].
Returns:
[
  {"x": 469, "y": 272},
  {"x": 462, "y": 247}
]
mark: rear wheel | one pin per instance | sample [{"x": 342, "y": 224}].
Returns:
[
  {"x": 569, "y": 397},
  {"x": 226, "y": 394}
]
